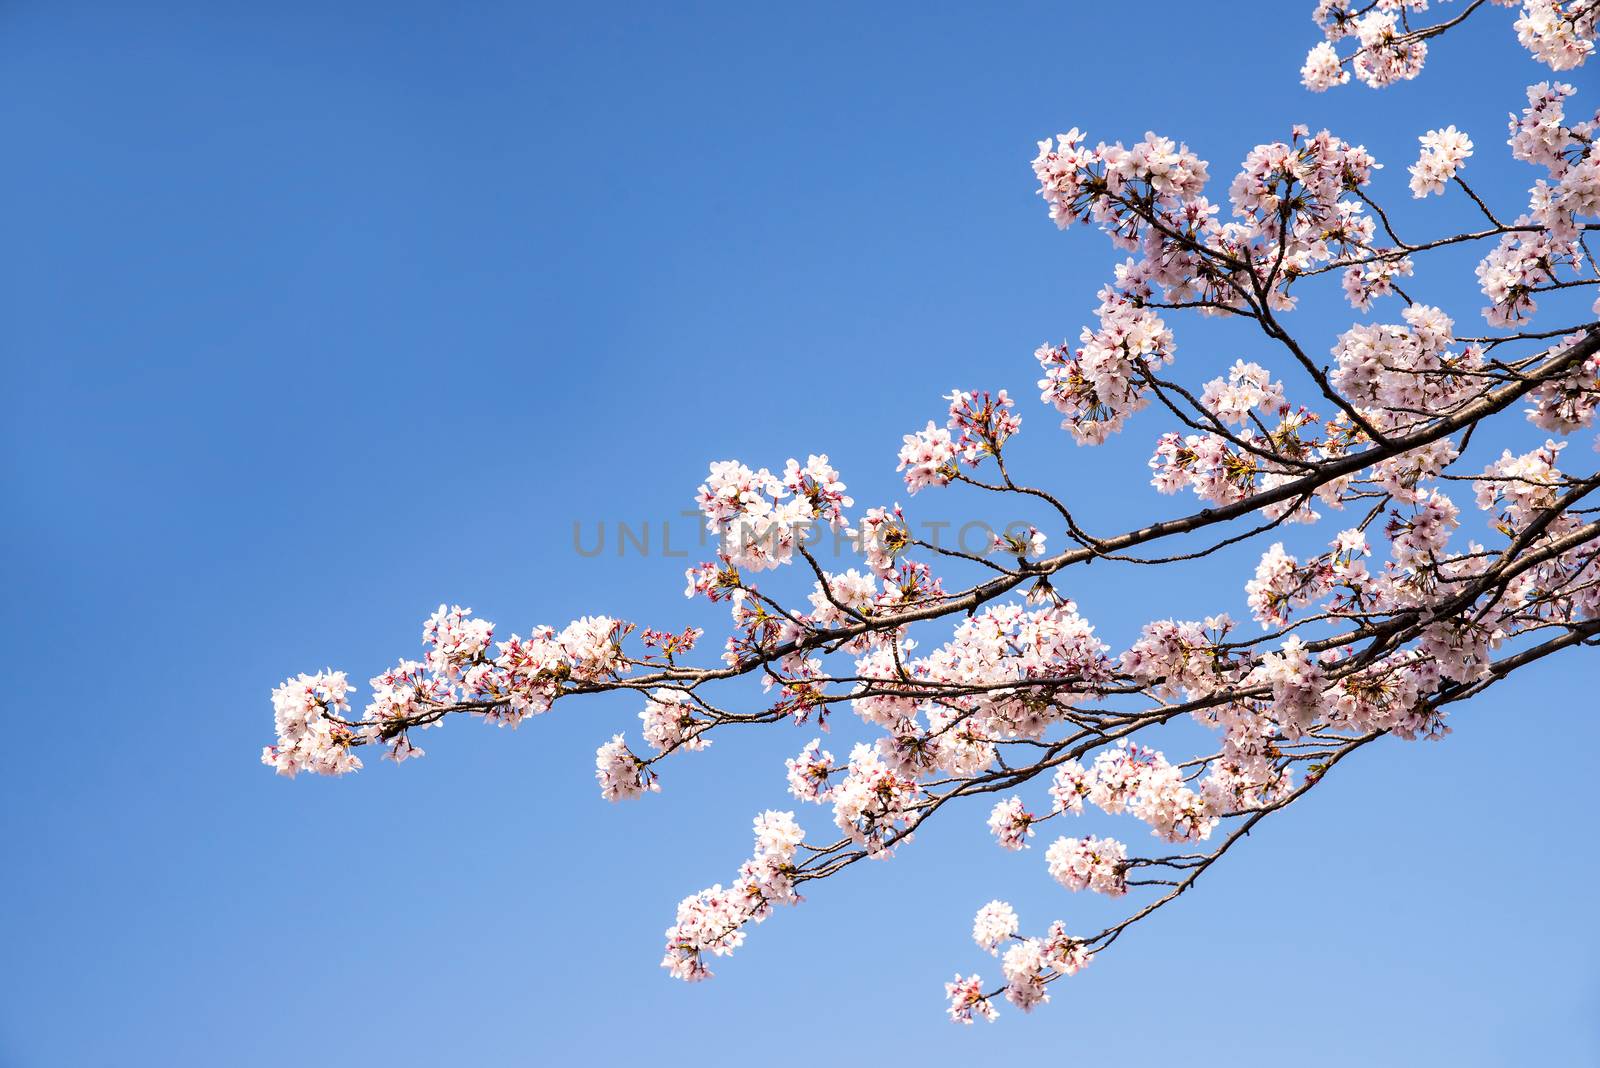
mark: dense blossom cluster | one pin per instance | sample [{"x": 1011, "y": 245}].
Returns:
[
  {"x": 1011, "y": 823},
  {"x": 927, "y": 458},
  {"x": 669, "y": 722},
  {"x": 621, "y": 774},
  {"x": 993, "y": 924},
  {"x": 874, "y": 804},
  {"x": 712, "y": 921},
  {"x": 1387, "y": 47},
  {"x": 760, "y": 518},
  {"x": 309, "y": 738},
  {"x": 1560, "y": 33},
  {"x": 1449, "y": 569},
  {"x": 1097, "y": 386},
  {"x": 1097, "y": 864},
  {"x": 1444, "y": 152}
]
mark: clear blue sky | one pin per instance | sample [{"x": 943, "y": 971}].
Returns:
[{"x": 314, "y": 318}]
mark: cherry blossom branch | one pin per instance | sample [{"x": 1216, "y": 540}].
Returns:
[{"x": 1376, "y": 636}]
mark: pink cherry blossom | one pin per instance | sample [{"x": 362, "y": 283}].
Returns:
[{"x": 1412, "y": 523}]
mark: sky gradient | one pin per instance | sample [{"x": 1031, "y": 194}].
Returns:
[{"x": 315, "y": 318}]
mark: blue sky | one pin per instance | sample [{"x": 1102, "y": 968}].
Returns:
[{"x": 316, "y": 318}]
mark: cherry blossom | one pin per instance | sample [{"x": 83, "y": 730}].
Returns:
[
  {"x": 713, "y": 920},
  {"x": 1323, "y": 69},
  {"x": 993, "y": 924},
  {"x": 308, "y": 738},
  {"x": 1390, "y": 48},
  {"x": 1560, "y": 33},
  {"x": 873, "y": 803},
  {"x": 926, "y": 457},
  {"x": 966, "y": 998},
  {"x": 1444, "y": 152},
  {"x": 621, "y": 775},
  {"x": 670, "y": 723},
  {"x": 1011, "y": 823},
  {"x": 1097, "y": 864},
  {"x": 808, "y": 773},
  {"x": 1414, "y": 524}
]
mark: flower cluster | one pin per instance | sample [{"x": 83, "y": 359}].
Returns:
[
  {"x": 1029, "y": 964},
  {"x": 1100, "y": 384},
  {"x": 818, "y": 485},
  {"x": 983, "y": 423},
  {"x": 967, "y": 997},
  {"x": 1098, "y": 864},
  {"x": 1398, "y": 374},
  {"x": 621, "y": 775},
  {"x": 309, "y": 737},
  {"x": 757, "y": 522},
  {"x": 669, "y": 722},
  {"x": 808, "y": 773},
  {"x": 463, "y": 669},
  {"x": 927, "y": 458},
  {"x": 1011, "y": 823},
  {"x": 1567, "y": 403},
  {"x": 873, "y": 804},
  {"x": 993, "y": 924},
  {"x": 1444, "y": 153},
  {"x": 1559, "y": 33},
  {"x": 712, "y": 921},
  {"x": 1177, "y": 657}
]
